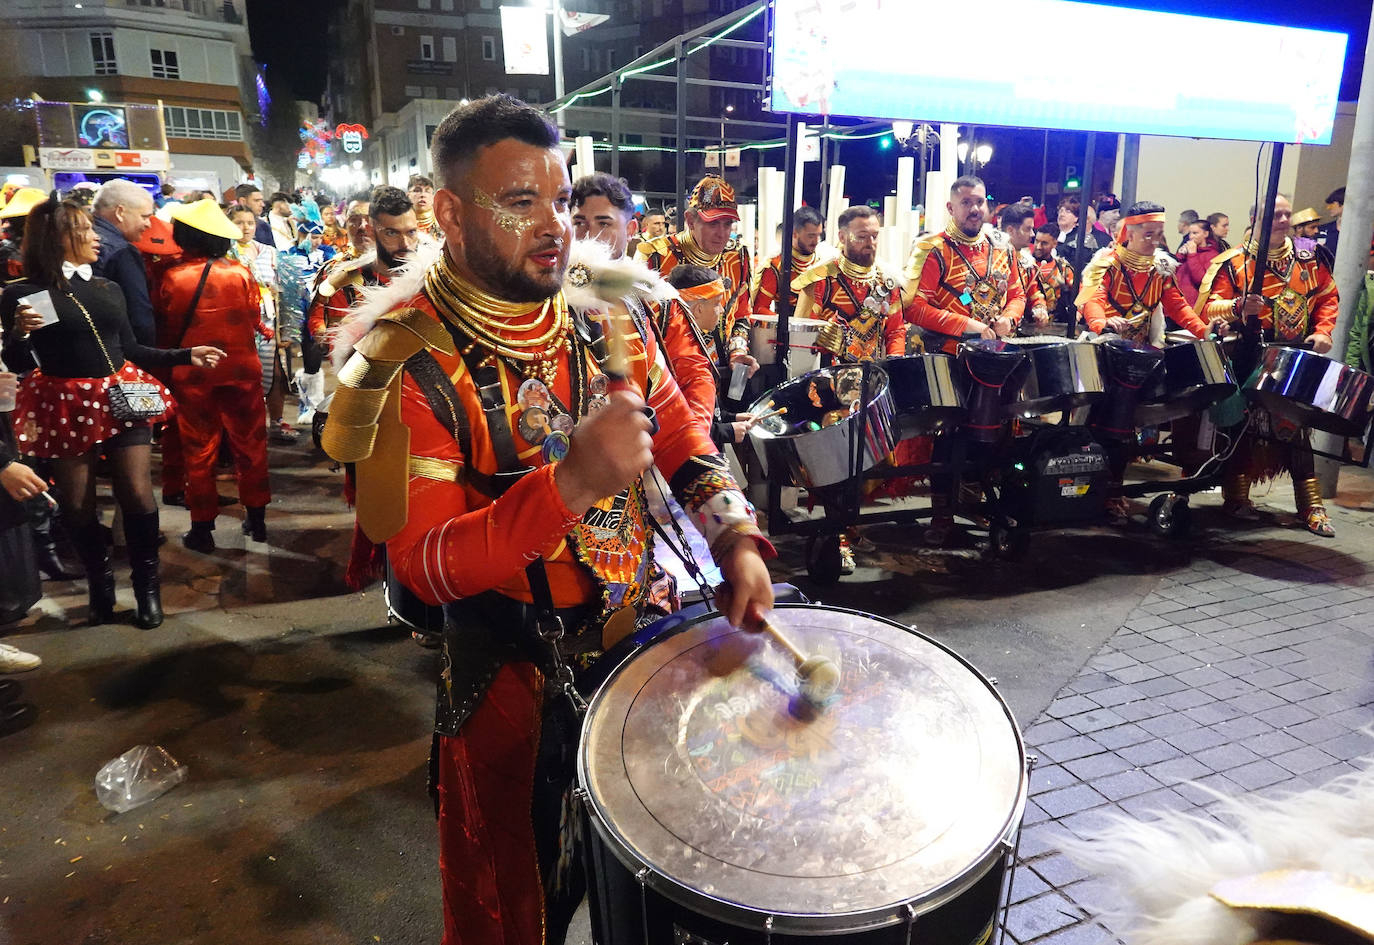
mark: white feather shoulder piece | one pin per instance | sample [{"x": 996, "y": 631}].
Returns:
[
  {"x": 376, "y": 300},
  {"x": 1165, "y": 264},
  {"x": 595, "y": 281}
]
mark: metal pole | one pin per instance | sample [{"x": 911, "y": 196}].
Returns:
[
  {"x": 1081, "y": 254},
  {"x": 558, "y": 58},
  {"x": 1246, "y": 354},
  {"x": 680, "y": 159},
  {"x": 1045, "y": 169},
  {"x": 922, "y": 130},
  {"x": 824, "y": 204},
  {"x": 615, "y": 125},
  {"x": 789, "y": 198},
  {"x": 1357, "y": 219},
  {"x": 1130, "y": 170}
]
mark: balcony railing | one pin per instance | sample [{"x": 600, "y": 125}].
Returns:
[{"x": 225, "y": 11}]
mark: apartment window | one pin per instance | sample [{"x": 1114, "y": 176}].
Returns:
[
  {"x": 103, "y": 53},
  {"x": 450, "y": 44},
  {"x": 610, "y": 60},
  {"x": 487, "y": 4},
  {"x": 426, "y": 47},
  {"x": 413, "y": 91},
  {"x": 586, "y": 59},
  {"x": 446, "y": 5},
  {"x": 431, "y": 91},
  {"x": 425, "y": 5},
  {"x": 164, "y": 64},
  {"x": 452, "y": 93},
  {"x": 211, "y": 124},
  {"x": 489, "y": 48}
]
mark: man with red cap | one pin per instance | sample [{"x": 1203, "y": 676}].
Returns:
[{"x": 711, "y": 212}]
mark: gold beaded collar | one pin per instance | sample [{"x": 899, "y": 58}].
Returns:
[
  {"x": 856, "y": 272},
  {"x": 1136, "y": 262},
  {"x": 1275, "y": 255},
  {"x": 694, "y": 253},
  {"x": 959, "y": 236}
]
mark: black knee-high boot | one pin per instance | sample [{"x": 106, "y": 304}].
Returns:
[
  {"x": 141, "y": 533},
  {"x": 42, "y": 519},
  {"x": 95, "y": 558}
]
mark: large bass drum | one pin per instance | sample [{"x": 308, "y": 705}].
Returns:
[
  {"x": 1313, "y": 391},
  {"x": 1196, "y": 375},
  {"x": 723, "y": 809},
  {"x": 812, "y": 438},
  {"x": 924, "y": 390}
]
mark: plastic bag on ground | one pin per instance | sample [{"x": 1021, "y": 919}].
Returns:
[{"x": 141, "y": 774}]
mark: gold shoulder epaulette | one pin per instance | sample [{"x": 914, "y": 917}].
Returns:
[
  {"x": 911, "y": 276},
  {"x": 809, "y": 277},
  {"x": 1204, "y": 289},
  {"x": 658, "y": 246}
]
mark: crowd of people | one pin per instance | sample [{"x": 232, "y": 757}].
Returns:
[{"x": 563, "y": 341}]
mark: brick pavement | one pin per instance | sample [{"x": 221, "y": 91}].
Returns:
[{"x": 1249, "y": 670}]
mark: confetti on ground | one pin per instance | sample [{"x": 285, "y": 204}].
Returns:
[
  {"x": 75, "y": 858},
  {"x": 70, "y": 875}
]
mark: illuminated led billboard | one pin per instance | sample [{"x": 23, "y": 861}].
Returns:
[{"x": 1100, "y": 68}]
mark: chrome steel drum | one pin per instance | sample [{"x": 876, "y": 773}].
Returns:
[
  {"x": 925, "y": 393},
  {"x": 1312, "y": 390},
  {"x": 992, "y": 374},
  {"x": 1129, "y": 366},
  {"x": 1063, "y": 374},
  {"x": 814, "y": 439},
  {"x": 1196, "y": 375},
  {"x": 801, "y": 340},
  {"x": 724, "y": 809}
]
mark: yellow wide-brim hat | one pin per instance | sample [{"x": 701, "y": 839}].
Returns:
[
  {"x": 24, "y": 200},
  {"x": 206, "y": 216},
  {"x": 1306, "y": 215}
]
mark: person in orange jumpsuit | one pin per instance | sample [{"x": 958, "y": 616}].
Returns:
[
  {"x": 522, "y": 517},
  {"x": 209, "y": 299},
  {"x": 1298, "y": 304},
  {"x": 808, "y": 226},
  {"x": 959, "y": 284},
  {"x": 711, "y": 212}
]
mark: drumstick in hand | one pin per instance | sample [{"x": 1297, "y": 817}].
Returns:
[
  {"x": 617, "y": 366},
  {"x": 819, "y": 677}
]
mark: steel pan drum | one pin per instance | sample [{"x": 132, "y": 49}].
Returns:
[
  {"x": 992, "y": 374},
  {"x": 925, "y": 393},
  {"x": 1312, "y": 390},
  {"x": 1063, "y": 374},
  {"x": 1129, "y": 366},
  {"x": 723, "y": 807},
  {"x": 814, "y": 439},
  {"x": 802, "y": 334},
  {"x": 1196, "y": 375}
]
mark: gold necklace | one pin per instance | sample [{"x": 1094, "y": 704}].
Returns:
[
  {"x": 856, "y": 272},
  {"x": 1133, "y": 260},
  {"x": 1277, "y": 255},
  {"x": 693, "y": 252},
  {"x": 959, "y": 236}
]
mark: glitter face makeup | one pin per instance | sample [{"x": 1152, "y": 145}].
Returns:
[{"x": 506, "y": 219}]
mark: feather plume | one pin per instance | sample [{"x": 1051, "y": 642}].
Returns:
[
  {"x": 1166, "y": 868},
  {"x": 595, "y": 280},
  {"x": 1165, "y": 264},
  {"x": 374, "y": 301}
]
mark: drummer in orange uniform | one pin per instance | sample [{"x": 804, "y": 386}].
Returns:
[
  {"x": 1017, "y": 222},
  {"x": 1122, "y": 289},
  {"x": 1297, "y": 304},
  {"x": 959, "y": 284},
  {"x": 807, "y": 228},
  {"x": 711, "y": 212},
  {"x": 526, "y": 520}
]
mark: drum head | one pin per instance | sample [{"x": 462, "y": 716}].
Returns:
[{"x": 701, "y": 763}]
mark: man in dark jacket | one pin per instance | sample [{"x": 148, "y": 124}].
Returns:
[
  {"x": 123, "y": 210},
  {"x": 250, "y": 196}
]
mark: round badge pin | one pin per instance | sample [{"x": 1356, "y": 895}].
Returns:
[
  {"x": 555, "y": 446},
  {"x": 599, "y": 384},
  {"x": 534, "y": 425},
  {"x": 533, "y": 393},
  {"x": 563, "y": 423}
]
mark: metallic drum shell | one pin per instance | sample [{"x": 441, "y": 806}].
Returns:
[
  {"x": 1312, "y": 390},
  {"x": 924, "y": 390},
  {"x": 1063, "y": 374}
]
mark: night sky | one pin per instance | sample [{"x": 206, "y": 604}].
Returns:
[{"x": 288, "y": 37}]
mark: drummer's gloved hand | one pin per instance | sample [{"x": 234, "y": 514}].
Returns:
[{"x": 1320, "y": 343}]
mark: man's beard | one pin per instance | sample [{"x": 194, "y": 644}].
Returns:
[
  {"x": 861, "y": 257},
  {"x": 392, "y": 260},
  {"x": 1042, "y": 255},
  {"x": 971, "y": 226},
  {"x": 510, "y": 281}
]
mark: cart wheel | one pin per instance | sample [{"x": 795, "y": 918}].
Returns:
[
  {"x": 1170, "y": 515},
  {"x": 1008, "y": 541},
  {"x": 823, "y": 558}
]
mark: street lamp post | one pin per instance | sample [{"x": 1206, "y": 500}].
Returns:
[{"x": 728, "y": 110}]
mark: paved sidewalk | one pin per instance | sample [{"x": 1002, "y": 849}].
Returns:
[{"x": 1248, "y": 670}]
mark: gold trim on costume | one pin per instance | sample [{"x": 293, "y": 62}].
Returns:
[
  {"x": 363, "y": 373},
  {"x": 428, "y": 467},
  {"x": 361, "y": 409}
]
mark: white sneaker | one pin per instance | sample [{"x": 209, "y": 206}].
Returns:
[{"x": 15, "y": 660}]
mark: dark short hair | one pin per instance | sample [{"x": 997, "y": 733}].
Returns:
[
  {"x": 1214, "y": 218},
  {"x": 655, "y": 213},
  {"x": 278, "y": 196},
  {"x": 1069, "y": 202},
  {"x": 1187, "y": 216},
  {"x": 419, "y": 180},
  {"x": 859, "y": 212},
  {"x": 46, "y": 230},
  {"x": 389, "y": 200},
  {"x": 689, "y": 277},
  {"x": 362, "y": 196},
  {"x": 968, "y": 180},
  {"x": 601, "y": 184},
  {"x": 196, "y": 242},
  {"x": 808, "y": 216},
  {"x": 482, "y": 122},
  {"x": 324, "y": 200},
  {"x": 239, "y": 209},
  {"x": 1014, "y": 214},
  {"x": 1336, "y": 196},
  {"x": 1206, "y": 227},
  {"x": 1049, "y": 229},
  {"x": 1149, "y": 206},
  {"x": 244, "y": 191}
]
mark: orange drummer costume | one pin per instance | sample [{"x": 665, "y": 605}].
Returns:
[
  {"x": 712, "y": 200},
  {"x": 1122, "y": 283},
  {"x": 456, "y": 407},
  {"x": 864, "y": 301},
  {"x": 764, "y": 292},
  {"x": 1299, "y": 299},
  {"x": 957, "y": 285},
  {"x": 691, "y": 354},
  {"x": 1054, "y": 276}
]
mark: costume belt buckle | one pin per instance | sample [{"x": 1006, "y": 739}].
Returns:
[{"x": 550, "y": 627}]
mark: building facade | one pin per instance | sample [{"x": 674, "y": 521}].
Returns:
[{"x": 190, "y": 56}]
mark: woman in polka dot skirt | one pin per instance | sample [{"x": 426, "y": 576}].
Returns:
[{"x": 62, "y": 412}]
